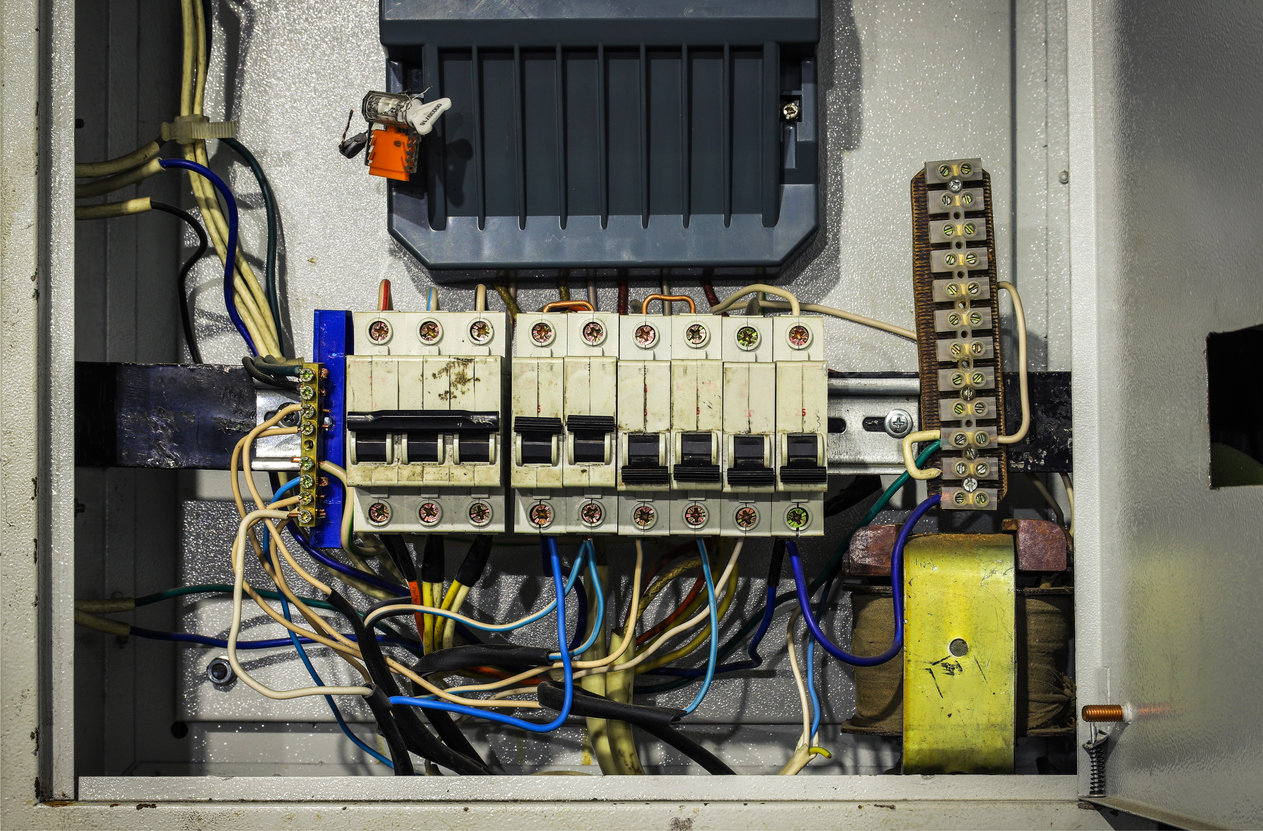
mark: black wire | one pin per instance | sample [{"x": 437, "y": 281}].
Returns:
[
  {"x": 417, "y": 739},
  {"x": 279, "y": 382},
  {"x": 658, "y": 722},
  {"x": 186, "y": 316},
  {"x": 852, "y": 495},
  {"x": 486, "y": 654}
]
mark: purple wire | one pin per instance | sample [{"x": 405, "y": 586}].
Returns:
[{"x": 896, "y": 583}]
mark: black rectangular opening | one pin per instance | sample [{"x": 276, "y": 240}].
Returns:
[{"x": 1234, "y": 393}]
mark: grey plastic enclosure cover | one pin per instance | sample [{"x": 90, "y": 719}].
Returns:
[{"x": 607, "y": 135}]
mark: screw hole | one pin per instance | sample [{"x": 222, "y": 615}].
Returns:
[
  {"x": 179, "y": 729},
  {"x": 958, "y": 647}
]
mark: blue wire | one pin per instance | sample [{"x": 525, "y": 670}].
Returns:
[
  {"x": 587, "y": 550},
  {"x": 811, "y": 690},
  {"x": 568, "y": 699},
  {"x": 896, "y": 582},
  {"x": 230, "y": 261},
  {"x": 334, "y": 565},
  {"x": 713, "y": 607}
]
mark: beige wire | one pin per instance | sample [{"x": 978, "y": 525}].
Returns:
[
  {"x": 910, "y": 461},
  {"x": 480, "y": 298},
  {"x": 109, "y": 210},
  {"x": 844, "y": 315},
  {"x": 731, "y": 300},
  {"x": 1020, "y": 315},
  {"x": 85, "y": 170},
  {"x": 121, "y": 180},
  {"x": 1068, "y": 484},
  {"x": 1048, "y": 497}
]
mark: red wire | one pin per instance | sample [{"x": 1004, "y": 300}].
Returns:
[
  {"x": 623, "y": 295},
  {"x": 385, "y": 303}
]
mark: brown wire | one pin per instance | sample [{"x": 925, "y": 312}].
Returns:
[
  {"x": 668, "y": 298},
  {"x": 567, "y": 305}
]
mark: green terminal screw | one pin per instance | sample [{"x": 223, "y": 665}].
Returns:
[{"x": 797, "y": 518}]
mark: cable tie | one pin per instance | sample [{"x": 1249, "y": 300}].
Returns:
[{"x": 187, "y": 129}]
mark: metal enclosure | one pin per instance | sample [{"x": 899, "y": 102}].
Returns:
[{"x": 1127, "y": 133}]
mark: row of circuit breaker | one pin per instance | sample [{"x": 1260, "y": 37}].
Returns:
[{"x": 632, "y": 424}]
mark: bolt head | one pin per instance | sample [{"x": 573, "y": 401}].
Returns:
[
  {"x": 429, "y": 514},
  {"x": 429, "y": 332},
  {"x": 379, "y": 513},
  {"x": 379, "y": 331},
  {"x": 591, "y": 514},
  {"x": 696, "y": 516},
  {"x": 644, "y": 516},
  {"x": 797, "y": 518},
  {"x": 898, "y": 423},
  {"x": 799, "y": 336},
  {"x": 745, "y": 517},
  {"x": 542, "y": 333},
  {"x": 748, "y": 338},
  {"x": 481, "y": 332},
  {"x": 593, "y": 333},
  {"x": 955, "y": 185},
  {"x": 696, "y": 335},
  {"x": 479, "y": 514},
  {"x": 540, "y": 515},
  {"x": 645, "y": 336}
]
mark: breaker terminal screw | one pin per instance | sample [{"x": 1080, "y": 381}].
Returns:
[
  {"x": 591, "y": 514},
  {"x": 429, "y": 513},
  {"x": 541, "y": 515},
  {"x": 646, "y": 336},
  {"x": 379, "y": 331},
  {"x": 747, "y": 337},
  {"x": 797, "y": 518},
  {"x": 429, "y": 331},
  {"x": 696, "y": 335},
  {"x": 593, "y": 332},
  {"x": 542, "y": 333},
  {"x": 746, "y": 518},
  {"x": 480, "y": 332},
  {"x": 799, "y": 336},
  {"x": 695, "y": 516},
  {"x": 479, "y": 513},
  {"x": 379, "y": 513},
  {"x": 644, "y": 516}
]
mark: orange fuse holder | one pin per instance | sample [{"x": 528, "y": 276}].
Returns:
[{"x": 392, "y": 152}]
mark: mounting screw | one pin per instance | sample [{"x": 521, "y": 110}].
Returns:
[
  {"x": 898, "y": 423},
  {"x": 645, "y": 336},
  {"x": 799, "y": 336},
  {"x": 542, "y": 333},
  {"x": 797, "y": 518},
  {"x": 379, "y": 513},
  {"x": 379, "y": 331},
  {"x": 480, "y": 332},
  {"x": 479, "y": 514},
  {"x": 1064, "y": 177},
  {"x": 970, "y": 484},
  {"x": 696, "y": 515},
  {"x": 429, "y": 513},
  {"x": 790, "y": 111},
  {"x": 540, "y": 515},
  {"x": 644, "y": 516},
  {"x": 747, "y": 337},
  {"x": 696, "y": 335},
  {"x": 745, "y": 517},
  {"x": 954, "y": 186},
  {"x": 221, "y": 673},
  {"x": 429, "y": 331},
  {"x": 591, "y": 514}
]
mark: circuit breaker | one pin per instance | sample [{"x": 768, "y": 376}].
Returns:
[{"x": 425, "y": 396}]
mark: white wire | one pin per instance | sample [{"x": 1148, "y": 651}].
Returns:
[
  {"x": 844, "y": 315},
  {"x": 1021, "y": 360},
  {"x": 732, "y": 299}
]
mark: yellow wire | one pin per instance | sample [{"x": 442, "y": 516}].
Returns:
[{"x": 701, "y": 636}]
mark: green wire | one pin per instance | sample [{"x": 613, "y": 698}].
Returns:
[
  {"x": 830, "y": 570},
  {"x": 269, "y": 203}
]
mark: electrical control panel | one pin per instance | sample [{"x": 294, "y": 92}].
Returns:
[{"x": 425, "y": 402}]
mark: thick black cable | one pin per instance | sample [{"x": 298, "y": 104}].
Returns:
[
  {"x": 852, "y": 495},
  {"x": 658, "y": 722},
  {"x": 203, "y": 243},
  {"x": 279, "y": 382},
  {"x": 419, "y": 740},
  {"x": 433, "y": 561},
  {"x": 400, "y": 556},
  {"x": 379, "y": 704},
  {"x": 475, "y": 562},
  {"x": 488, "y": 654}
]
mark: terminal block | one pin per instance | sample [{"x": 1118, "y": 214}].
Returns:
[
  {"x": 425, "y": 395},
  {"x": 954, "y": 283},
  {"x": 311, "y": 421}
]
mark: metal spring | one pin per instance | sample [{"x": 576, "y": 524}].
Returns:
[{"x": 1096, "y": 764}]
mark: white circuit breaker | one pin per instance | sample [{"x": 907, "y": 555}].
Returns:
[
  {"x": 424, "y": 421},
  {"x": 802, "y": 400}
]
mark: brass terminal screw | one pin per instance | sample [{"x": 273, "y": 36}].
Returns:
[
  {"x": 695, "y": 516},
  {"x": 379, "y": 513},
  {"x": 591, "y": 514},
  {"x": 480, "y": 332},
  {"x": 1103, "y": 712},
  {"x": 746, "y": 518},
  {"x": 379, "y": 331},
  {"x": 644, "y": 516},
  {"x": 429, "y": 513},
  {"x": 541, "y": 515}
]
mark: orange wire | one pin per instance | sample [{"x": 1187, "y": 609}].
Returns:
[
  {"x": 679, "y": 610},
  {"x": 415, "y": 591}
]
